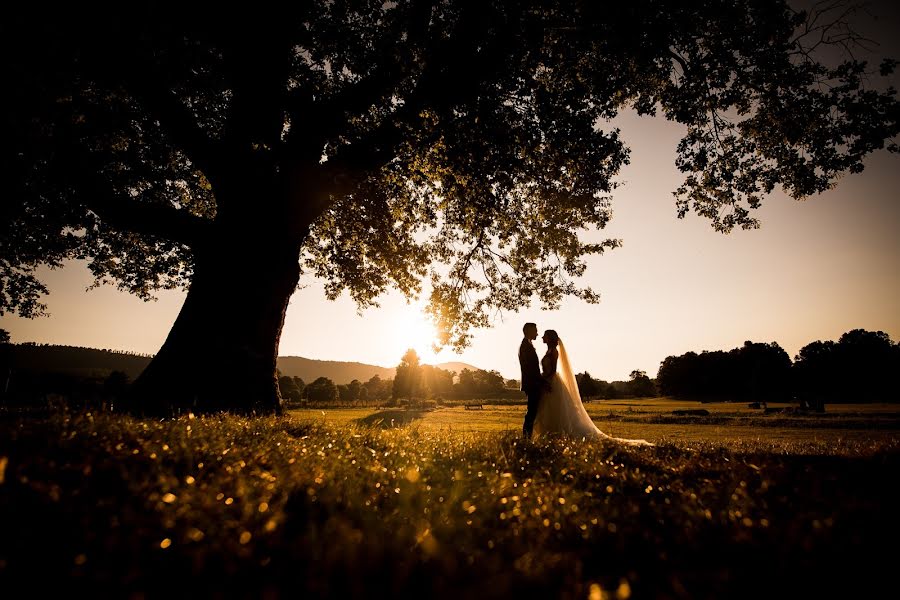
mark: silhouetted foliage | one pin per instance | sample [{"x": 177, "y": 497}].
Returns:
[
  {"x": 437, "y": 381},
  {"x": 408, "y": 381},
  {"x": 322, "y": 390},
  {"x": 289, "y": 390},
  {"x": 115, "y": 387},
  {"x": 300, "y": 385},
  {"x": 862, "y": 366},
  {"x": 343, "y": 393},
  {"x": 588, "y": 387},
  {"x": 753, "y": 372},
  {"x": 343, "y": 134},
  {"x": 353, "y": 389},
  {"x": 465, "y": 384},
  {"x": 378, "y": 388},
  {"x": 479, "y": 383},
  {"x": 639, "y": 385}
]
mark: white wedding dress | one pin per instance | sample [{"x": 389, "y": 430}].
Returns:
[{"x": 561, "y": 411}]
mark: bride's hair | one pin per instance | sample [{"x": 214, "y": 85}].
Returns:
[{"x": 552, "y": 337}]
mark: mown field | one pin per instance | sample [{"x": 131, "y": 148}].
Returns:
[
  {"x": 451, "y": 503},
  {"x": 653, "y": 419}
]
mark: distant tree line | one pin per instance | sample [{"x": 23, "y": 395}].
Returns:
[
  {"x": 75, "y": 359},
  {"x": 412, "y": 382},
  {"x": 755, "y": 371},
  {"x": 45, "y": 374},
  {"x": 416, "y": 381},
  {"x": 639, "y": 385},
  {"x": 323, "y": 390},
  {"x": 862, "y": 366}
]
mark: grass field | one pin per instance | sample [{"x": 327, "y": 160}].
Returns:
[
  {"x": 451, "y": 503},
  {"x": 651, "y": 419}
]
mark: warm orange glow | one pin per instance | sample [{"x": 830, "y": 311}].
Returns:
[{"x": 413, "y": 329}]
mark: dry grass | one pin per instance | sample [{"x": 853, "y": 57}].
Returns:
[{"x": 281, "y": 507}]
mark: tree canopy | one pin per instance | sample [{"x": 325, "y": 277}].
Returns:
[
  {"x": 861, "y": 366},
  {"x": 754, "y": 371},
  {"x": 459, "y": 148}
]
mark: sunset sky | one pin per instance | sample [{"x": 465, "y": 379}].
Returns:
[{"x": 813, "y": 271}]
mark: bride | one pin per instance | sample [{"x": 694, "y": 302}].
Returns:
[{"x": 560, "y": 410}]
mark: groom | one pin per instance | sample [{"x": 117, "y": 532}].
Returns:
[{"x": 532, "y": 383}]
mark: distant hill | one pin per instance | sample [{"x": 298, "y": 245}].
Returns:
[
  {"x": 339, "y": 372},
  {"x": 87, "y": 362},
  {"x": 75, "y": 360},
  {"x": 456, "y": 367},
  {"x": 344, "y": 372}
]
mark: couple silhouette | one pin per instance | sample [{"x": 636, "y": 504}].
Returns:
[{"x": 554, "y": 402}]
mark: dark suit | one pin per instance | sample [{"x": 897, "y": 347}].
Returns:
[{"x": 532, "y": 383}]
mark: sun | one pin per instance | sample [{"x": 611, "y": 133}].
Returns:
[{"x": 413, "y": 329}]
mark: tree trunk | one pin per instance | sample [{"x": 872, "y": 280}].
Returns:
[{"x": 220, "y": 354}]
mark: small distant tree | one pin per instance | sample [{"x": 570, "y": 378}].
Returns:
[
  {"x": 353, "y": 390},
  {"x": 322, "y": 390},
  {"x": 437, "y": 381},
  {"x": 115, "y": 386},
  {"x": 386, "y": 391},
  {"x": 344, "y": 393},
  {"x": 301, "y": 386},
  {"x": 608, "y": 391},
  {"x": 588, "y": 387},
  {"x": 639, "y": 385},
  {"x": 408, "y": 378},
  {"x": 289, "y": 389},
  {"x": 488, "y": 382},
  {"x": 375, "y": 388},
  {"x": 466, "y": 384}
]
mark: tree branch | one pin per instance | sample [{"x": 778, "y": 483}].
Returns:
[
  {"x": 178, "y": 123},
  {"x": 313, "y": 122},
  {"x": 454, "y": 66},
  {"x": 127, "y": 213},
  {"x": 149, "y": 219},
  {"x": 680, "y": 60},
  {"x": 447, "y": 79},
  {"x": 258, "y": 69}
]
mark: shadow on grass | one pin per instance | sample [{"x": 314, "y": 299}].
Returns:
[{"x": 387, "y": 419}]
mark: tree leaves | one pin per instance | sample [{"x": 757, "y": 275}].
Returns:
[{"x": 455, "y": 148}]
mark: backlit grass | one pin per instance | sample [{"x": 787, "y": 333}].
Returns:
[{"x": 253, "y": 507}]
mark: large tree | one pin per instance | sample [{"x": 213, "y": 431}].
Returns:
[{"x": 457, "y": 145}]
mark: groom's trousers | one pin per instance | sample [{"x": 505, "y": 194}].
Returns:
[{"x": 533, "y": 398}]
